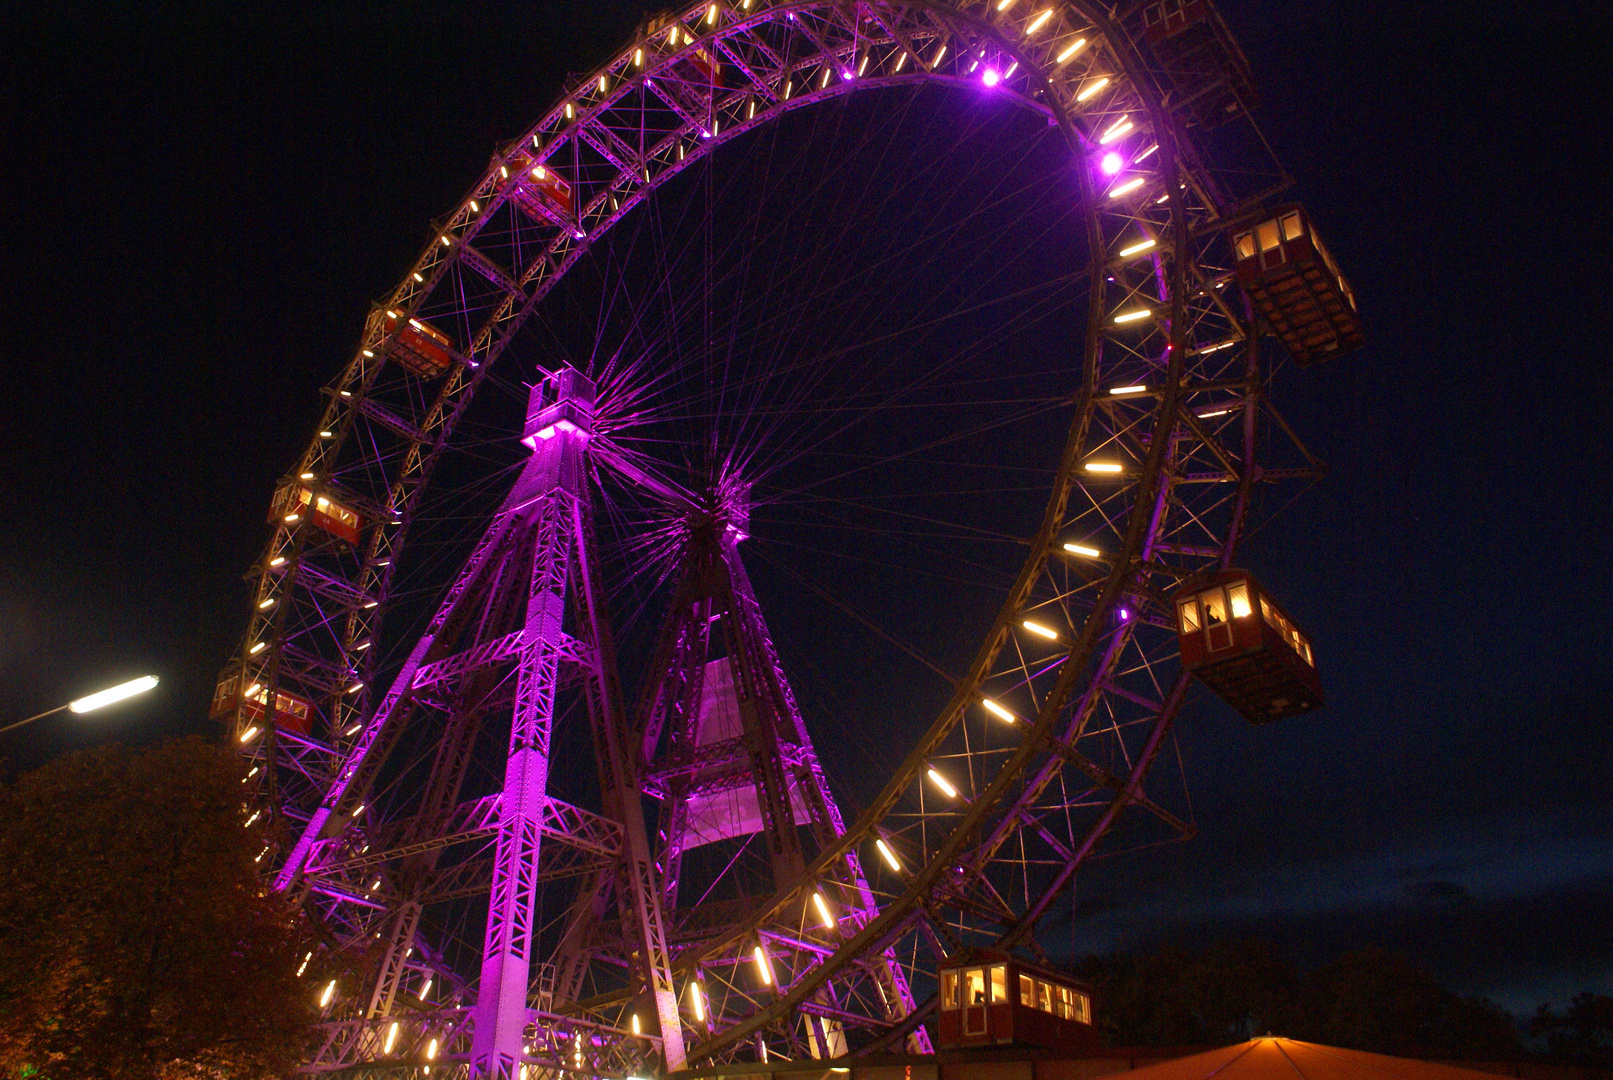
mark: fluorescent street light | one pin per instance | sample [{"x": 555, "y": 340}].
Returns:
[{"x": 116, "y": 693}]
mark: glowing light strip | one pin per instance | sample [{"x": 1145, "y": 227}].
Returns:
[
  {"x": 823, "y": 910},
  {"x": 996, "y": 709},
  {"x": 1082, "y": 549},
  {"x": 1117, "y": 129}
]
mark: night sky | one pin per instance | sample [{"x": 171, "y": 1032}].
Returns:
[{"x": 201, "y": 204}]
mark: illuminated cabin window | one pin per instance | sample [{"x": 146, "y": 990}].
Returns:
[
  {"x": 1293, "y": 228},
  {"x": 974, "y": 986},
  {"x": 1189, "y": 611},
  {"x": 1062, "y": 1001},
  {"x": 1295, "y": 639},
  {"x": 1267, "y": 235},
  {"x": 980, "y": 986},
  {"x": 337, "y": 511},
  {"x": 1215, "y": 605},
  {"x": 1238, "y": 596}
]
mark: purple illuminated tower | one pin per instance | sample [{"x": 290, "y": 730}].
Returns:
[{"x": 718, "y": 742}]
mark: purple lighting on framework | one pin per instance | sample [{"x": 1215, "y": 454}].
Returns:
[
  {"x": 991, "y": 78},
  {"x": 1112, "y": 163}
]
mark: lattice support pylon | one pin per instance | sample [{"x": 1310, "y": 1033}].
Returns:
[
  {"x": 547, "y": 496},
  {"x": 536, "y": 550},
  {"x": 730, "y": 757}
]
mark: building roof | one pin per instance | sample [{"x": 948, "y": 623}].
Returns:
[{"x": 1287, "y": 1059}]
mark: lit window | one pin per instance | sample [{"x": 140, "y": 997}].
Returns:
[
  {"x": 1215, "y": 606},
  {"x": 1268, "y": 235},
  {"x": 949, "y": 990},
  {"x": 1044, "y": 995},
  {"x": 975, "y": 986},
  {"x": 999, "y": 983},
  {"x": 1027, "y": 990},
  {"x": 1239, "y": 595},
  {"x": 1292, "y": 229},
  {"x": 1188, "y": 610},
  {"x": 1083, "y": 1009},
  {"x": 1246, "y": 245}
]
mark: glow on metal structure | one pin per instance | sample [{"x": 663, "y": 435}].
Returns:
[{"x": 1174, "y": 509}]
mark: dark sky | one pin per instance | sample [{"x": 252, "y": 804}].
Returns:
[{"x": 201, "y": 203}]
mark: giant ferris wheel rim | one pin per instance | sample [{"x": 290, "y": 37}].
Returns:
[{"x": 454, "y": 242}]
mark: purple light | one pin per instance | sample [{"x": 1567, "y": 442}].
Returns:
[
  {"x": 1125, "y": 614},
  {"x": 991, "y": 78},
  {"x": 1112, "y": 163}
]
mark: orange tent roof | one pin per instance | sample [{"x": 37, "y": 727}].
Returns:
[{"x": 1286, "y": 1059}]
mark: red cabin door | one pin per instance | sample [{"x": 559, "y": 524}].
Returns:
[{"x": 974, "y": 1002}]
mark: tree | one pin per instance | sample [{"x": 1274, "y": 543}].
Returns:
[
  {"x": 1172, "y": 997},
  {"x": 136, "y": 942},
  {"x": 1583, "y": 1034},
  {"x": 1373, "y": 999},
  {"x": 1381, "y": 1001},
  {"x": 1366, "y": 1000}
]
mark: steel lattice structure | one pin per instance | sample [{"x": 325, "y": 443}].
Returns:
[{"x": 591, "y": 962}]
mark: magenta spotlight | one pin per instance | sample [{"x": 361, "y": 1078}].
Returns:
[
  {"x": 991, "y": 78},
  {"x": 1112, "y": 163}
]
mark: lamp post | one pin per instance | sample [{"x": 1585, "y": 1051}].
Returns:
[{"x": 94, "y": 701}]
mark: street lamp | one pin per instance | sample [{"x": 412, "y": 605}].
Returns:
[{"x": 94, "y": 701}]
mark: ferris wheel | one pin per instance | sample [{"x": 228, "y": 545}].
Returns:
[{"x": 553, "y": 779}]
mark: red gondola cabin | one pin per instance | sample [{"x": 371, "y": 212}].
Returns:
[
  {"x": 1240, "y": 644},
  {"x": 1200, "y": 58},
  {"x": 991, "y": 998},
  {"x": 291, "y": 713},
  {"x": 292, "y": 502},
  {"x": 539, "y": 190},
  {"x": 419, "y": 346},
  {"x": 1293, "y": 280}
]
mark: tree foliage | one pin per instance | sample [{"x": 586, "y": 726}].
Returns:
[
  {"x": 135, "y": 938},
  {"x": 1582, "y": 1033}
]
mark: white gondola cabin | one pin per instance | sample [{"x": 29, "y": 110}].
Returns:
[
  {"x": 1238, "y": 642},
  {"x": 1292, "y": 279},
  {"x": 293, "y": 502}
]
